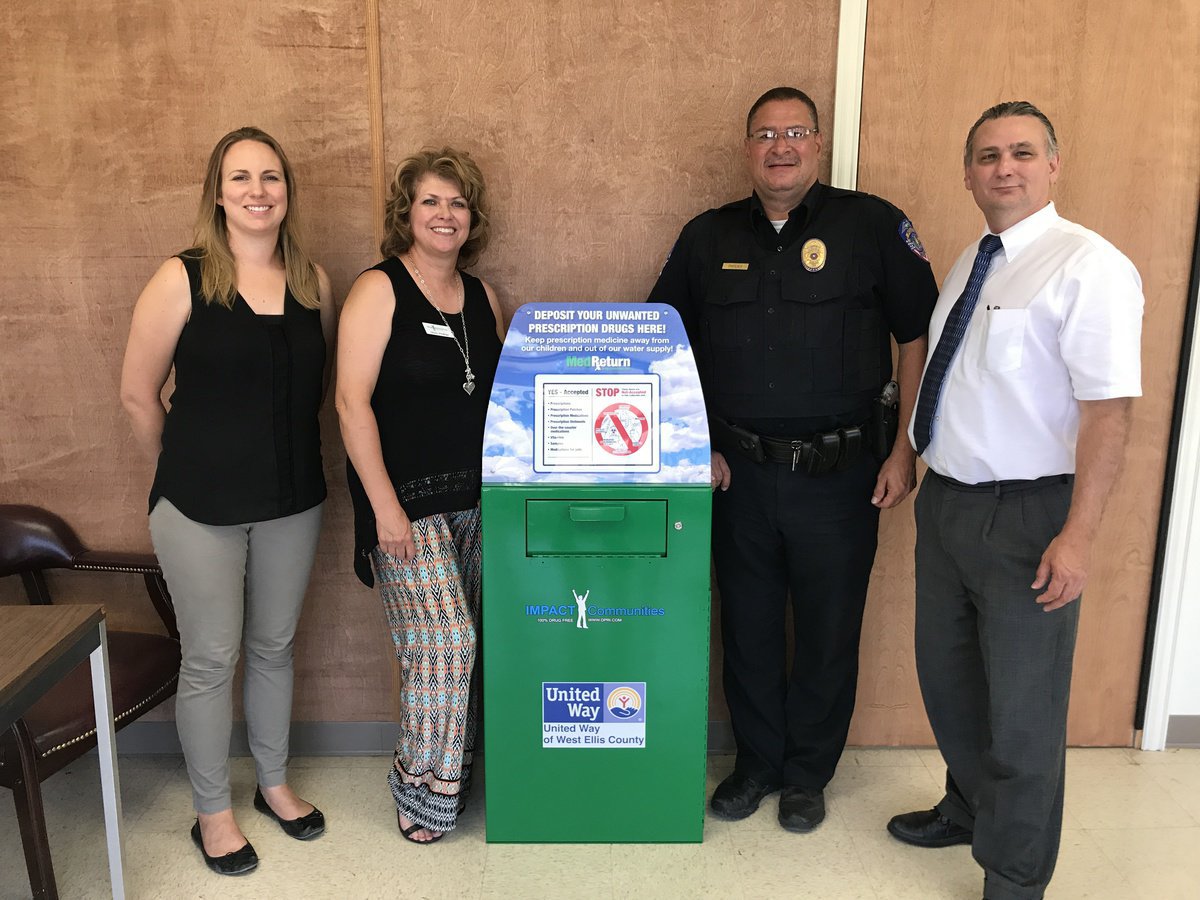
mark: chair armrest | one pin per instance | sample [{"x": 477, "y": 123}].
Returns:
[
  {"x": 111, "y": 561},
  {"x": 144, "y": 564},
  {"x": 33, "y": 540}
]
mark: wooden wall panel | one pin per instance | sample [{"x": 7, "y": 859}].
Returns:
[
  {"x": 600, "y": 128},
  {"x": 1121, "y": 85},
  {"x": 109, "y": 112}
]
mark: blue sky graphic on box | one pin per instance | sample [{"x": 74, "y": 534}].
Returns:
[{"x": 596, "y": 393}]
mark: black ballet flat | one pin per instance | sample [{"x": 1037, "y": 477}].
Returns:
[
  {"x": 304, "y": 828},
  {"x": 239, "y": 862}
]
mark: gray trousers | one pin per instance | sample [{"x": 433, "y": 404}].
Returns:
[
  {"x": 234, "y": 586},
  {"x": 995, "y": 672}
]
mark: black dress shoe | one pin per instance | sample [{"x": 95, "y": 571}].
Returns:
[
  {"x": 801, "y": 809},
  {"x": 304, "y": 828},
  {"x": 239, "y": 862},
  {"x": 927, "y": 828},
  {"x": 738, "y": 796}
]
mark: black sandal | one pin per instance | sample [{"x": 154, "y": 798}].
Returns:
[{"x": 408, "y": 832}]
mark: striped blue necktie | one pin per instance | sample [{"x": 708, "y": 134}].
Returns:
[{"x": 947, "y": 346}]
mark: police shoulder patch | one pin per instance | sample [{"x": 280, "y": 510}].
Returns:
[{"x": 910, "y": 237}]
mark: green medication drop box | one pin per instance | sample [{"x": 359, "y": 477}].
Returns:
[{"x": 596, "y": 533}]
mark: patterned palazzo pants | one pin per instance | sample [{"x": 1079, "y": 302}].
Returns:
[{"x": 432, "y": 606}]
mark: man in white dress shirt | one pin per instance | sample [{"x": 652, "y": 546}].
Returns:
[{"x": 1022, "y": 419}]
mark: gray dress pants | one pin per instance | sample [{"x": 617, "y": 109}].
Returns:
[
  {"x": 234, "y": 586},
  {"x": 995, "y": 672}
]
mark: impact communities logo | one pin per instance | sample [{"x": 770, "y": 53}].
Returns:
[{"x": 583, "y": 613}]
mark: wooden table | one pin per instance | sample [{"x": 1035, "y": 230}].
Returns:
[{"x": 39, "y": 645}]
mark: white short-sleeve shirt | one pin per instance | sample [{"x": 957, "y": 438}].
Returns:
[{"x": 1059, "y": 320}]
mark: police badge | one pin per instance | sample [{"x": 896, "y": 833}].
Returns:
[{"x": 813, "y": 254}]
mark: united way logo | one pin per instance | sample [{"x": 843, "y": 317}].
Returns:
[
  {"x": 624, "y": 702},
  {"x": 594, "y": 714}
]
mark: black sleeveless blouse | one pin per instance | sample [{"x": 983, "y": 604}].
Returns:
[
  {"x": 241, "y": 441},
  {"x": 430, "y": 429}
]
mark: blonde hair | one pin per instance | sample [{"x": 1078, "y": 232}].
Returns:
[
  {"x": 218, "y": 269},
  {"x": 460, "y": 170}
]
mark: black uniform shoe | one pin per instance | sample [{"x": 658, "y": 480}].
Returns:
[
  {"x": 239, "y": 862},
  {"x": 927, "y": 828},
  {"x": 801, "y": 809},
  {"x": 304, "y": 828},
  {"x": 738, "y": 796}
]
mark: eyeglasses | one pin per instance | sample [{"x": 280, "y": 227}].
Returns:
[{"x": 797, "y": 134}]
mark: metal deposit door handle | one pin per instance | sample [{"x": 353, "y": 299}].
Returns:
[{"x": 606, "y": 513}]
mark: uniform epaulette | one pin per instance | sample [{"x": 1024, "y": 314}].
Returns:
[{"x": 839, "y": 193}]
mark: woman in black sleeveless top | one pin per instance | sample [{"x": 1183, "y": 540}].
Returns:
[
  {"x": 419, "y": 344},
  {"x": 246, "y": 320}
]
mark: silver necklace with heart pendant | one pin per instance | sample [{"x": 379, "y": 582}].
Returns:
[{"x": 465, "y": 346}]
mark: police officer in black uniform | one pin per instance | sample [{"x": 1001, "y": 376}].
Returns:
[{"x": 791, "y": 298}]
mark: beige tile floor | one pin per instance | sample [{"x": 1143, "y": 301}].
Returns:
[{"x": 1131, "y": 830}]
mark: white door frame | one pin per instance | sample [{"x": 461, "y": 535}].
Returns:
[{"x": 847, "y": 94}]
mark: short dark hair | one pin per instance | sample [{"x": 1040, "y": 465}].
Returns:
[
  {"x": 783, "y": 93},
  {"x": 1006, "y": 110}
]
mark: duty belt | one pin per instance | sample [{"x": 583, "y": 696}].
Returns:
[{"x": 825, "y": 451}]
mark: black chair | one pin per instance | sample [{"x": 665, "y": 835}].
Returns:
[{"x": 61, "y": 726}]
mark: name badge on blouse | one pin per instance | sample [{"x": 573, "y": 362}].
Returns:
[{"x": 437, "y": 330}]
